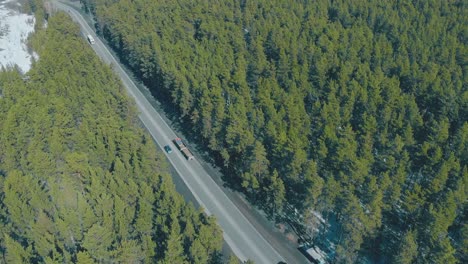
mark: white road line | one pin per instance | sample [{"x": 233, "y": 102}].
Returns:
[{"x": 145, "y": 108}]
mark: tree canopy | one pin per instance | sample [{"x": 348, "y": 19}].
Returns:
[
  {"x": 353, "y": 109},
  {"x": 80, "y": 180}
]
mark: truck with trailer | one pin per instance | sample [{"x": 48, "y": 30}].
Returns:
[
  {"x": 181, "y": 146},
  {"x": 187, "y": 154}
]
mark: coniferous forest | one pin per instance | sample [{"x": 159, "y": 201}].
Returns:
[
  {"x": 356, "y": 110},
  {"x": 80, "y": 180}
]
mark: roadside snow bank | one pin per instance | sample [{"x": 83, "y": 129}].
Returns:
[{"x": 14, "y": 30}]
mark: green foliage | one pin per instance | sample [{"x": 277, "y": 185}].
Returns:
[
  {"x": 80, "y": 181},
  {"x": 408, "y": 249},
  {"x": 233, "y": 260},
  {"x": 354, "y": 104},
  {"x": 15, "y": 251}
]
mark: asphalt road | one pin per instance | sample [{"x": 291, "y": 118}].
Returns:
[{"x": 244, "y": 240}]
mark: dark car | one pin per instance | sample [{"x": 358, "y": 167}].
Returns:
[{"x": 168, "y": 149}]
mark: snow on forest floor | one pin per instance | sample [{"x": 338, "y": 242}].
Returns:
[{"x": 15, "y": 28}]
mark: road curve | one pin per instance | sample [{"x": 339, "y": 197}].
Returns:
[{"x": 245, "y": 241}]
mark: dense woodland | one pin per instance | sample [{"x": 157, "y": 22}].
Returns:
[
  {"x": 80, "y": 180},
  {"x": 354, "y": 109}
]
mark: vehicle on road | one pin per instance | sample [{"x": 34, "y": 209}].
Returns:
[
  {"x": 314, "y": 254},
  {"x": 181, "y": 146},
  {"x": 245, "y": 240},
  {"x": 168, "y": 149},
  {"x": 90, "y": 39},
  {"x": 187, "y": 154},
  {"x": 178, "y": 142}
]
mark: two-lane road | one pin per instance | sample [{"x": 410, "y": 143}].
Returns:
[{"x": 245, "y": 241}]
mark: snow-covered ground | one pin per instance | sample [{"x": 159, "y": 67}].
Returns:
[{"x": 14, "y": 30}]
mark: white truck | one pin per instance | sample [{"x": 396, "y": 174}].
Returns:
[{"x": 90, "y": 39}]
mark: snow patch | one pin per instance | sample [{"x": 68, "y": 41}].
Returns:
[
  {"x": 319, "y": 216},
  {"x": 15, "y": 28}
]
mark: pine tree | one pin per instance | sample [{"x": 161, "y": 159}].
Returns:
[
  {"x": 174, "y": 250},
  {"x": 15, "y": 253},
  {"x": 408, "y": 250}
]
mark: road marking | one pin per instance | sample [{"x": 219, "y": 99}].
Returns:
[{"x": 143, "y": 104}]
